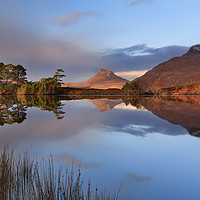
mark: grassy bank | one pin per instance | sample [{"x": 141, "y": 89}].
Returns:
[{"x": 23, "y": 177}]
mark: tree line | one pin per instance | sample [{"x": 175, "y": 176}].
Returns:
[
  {"x": 11, "y": 73},
  {"x": 13, "y": 80}
]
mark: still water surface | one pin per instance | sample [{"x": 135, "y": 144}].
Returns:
[{"x": 155, "y": 156}]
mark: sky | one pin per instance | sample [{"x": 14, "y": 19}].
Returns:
[{"x": 128, "y": 37}]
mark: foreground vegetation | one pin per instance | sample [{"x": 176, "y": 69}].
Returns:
[{"x": 23, "y": 177}]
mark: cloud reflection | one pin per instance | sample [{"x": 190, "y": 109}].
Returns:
[
  {"x": 137, "y": 177},
  {"x": 81, "y": 118},
  {"x": 138, "y": 128},
  {"x": 78, "y": 163}
]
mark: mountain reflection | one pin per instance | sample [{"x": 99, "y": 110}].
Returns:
[
  {"x": 105, "y": 104},
  {"x": 180, "y": 110}
]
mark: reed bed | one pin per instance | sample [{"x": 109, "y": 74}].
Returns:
[{"x": 22, "y": 177}]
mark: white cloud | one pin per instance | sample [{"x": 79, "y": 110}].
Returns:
[
  {"x": 130, "y": 75},
  {"x": 69, "y": 18},
  {"x": 138, "y": 2},
  {"x": 41, "y": 56},
  {"x": 129, "y": 107}
]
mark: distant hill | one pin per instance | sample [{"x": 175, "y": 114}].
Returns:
[
  {"x": 177, "y": 71},
  {"x": 104, "y": 79}
]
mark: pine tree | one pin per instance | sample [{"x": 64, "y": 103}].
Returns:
[
  {"x": 58, "y": 76},
  {"x": 19, "y": 74}
]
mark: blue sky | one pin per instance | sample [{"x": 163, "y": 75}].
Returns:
[{"x": 83, "y": 36}]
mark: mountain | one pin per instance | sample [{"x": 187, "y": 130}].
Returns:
[
  {"x": 104, "y": 79},
  {"x": 177, "y": 71}
]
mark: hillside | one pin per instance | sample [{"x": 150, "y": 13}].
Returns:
[
  {"x": 177, "y": 71},
  {"x": 104, "y": 79}
]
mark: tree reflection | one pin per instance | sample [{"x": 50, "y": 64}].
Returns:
[
  {"x": 13, "y": 109},
  {"x": 133, "y": 101},
  {"x": 44, "y": 102}
]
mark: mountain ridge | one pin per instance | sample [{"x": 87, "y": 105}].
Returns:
[{"x": 177, "y": 71}]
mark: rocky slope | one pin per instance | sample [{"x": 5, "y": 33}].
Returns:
[
  {"x": 104, "y": 79},
  {"x": 174, "y": 72}
]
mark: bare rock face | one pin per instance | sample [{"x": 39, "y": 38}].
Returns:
[
  {"x": 176, "y": 71},
  {"x": 104, "y": 79},
  {"x": 194, "y": 50}
]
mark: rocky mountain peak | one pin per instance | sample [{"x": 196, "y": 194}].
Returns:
[
  {"x": 104, "y": 79},
  {"x": 104, "y": 72},
  {"x": 194, "y": 50},
  {"x": 179, "y": 71}
]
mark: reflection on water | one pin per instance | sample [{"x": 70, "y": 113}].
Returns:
[
  {"x": 13, "y": 109},
  {"x": 143, "y": 141},
  {"x": 181, "y": 110},
  {"x": 105, "y": 104}
]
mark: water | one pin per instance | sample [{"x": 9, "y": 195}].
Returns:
[{"x": 155, "y": 156}]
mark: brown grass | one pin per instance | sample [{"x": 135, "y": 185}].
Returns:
[{"x": 23, "y": 178}]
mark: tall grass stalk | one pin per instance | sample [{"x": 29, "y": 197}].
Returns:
[{"x": 22, "y": 177}]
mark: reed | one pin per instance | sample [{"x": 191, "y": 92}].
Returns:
[{"x": 22, "y": 177}]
